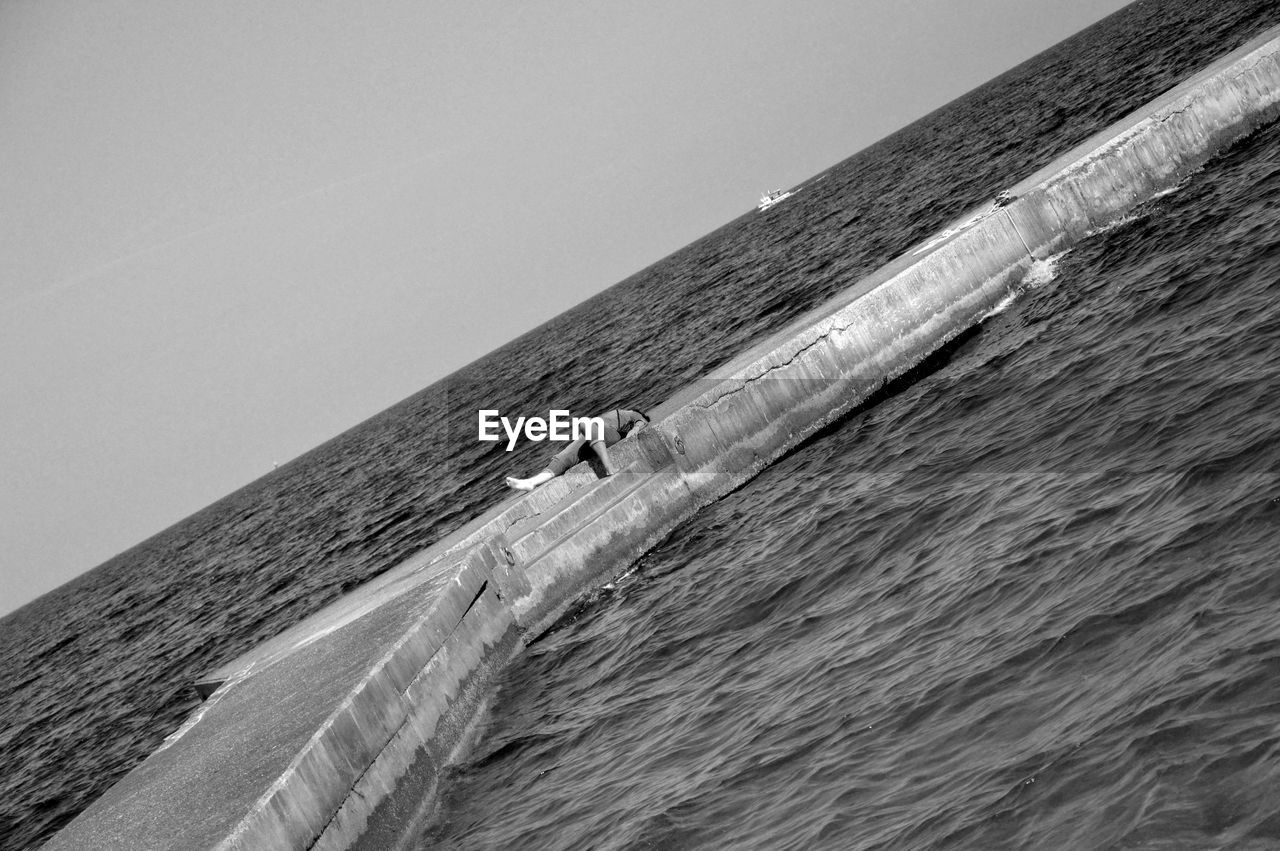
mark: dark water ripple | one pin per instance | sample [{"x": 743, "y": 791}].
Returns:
[
  {"x": 95, "y": 674},
  {"x": 1029, "y": 600}
]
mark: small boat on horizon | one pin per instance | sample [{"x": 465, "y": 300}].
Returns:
[{"x": 768, "y": 199}]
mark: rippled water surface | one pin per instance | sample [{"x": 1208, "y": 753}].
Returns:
[{"x": 1027, "y": 598}]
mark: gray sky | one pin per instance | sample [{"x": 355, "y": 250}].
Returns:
[{"x": 231, "y": 230}]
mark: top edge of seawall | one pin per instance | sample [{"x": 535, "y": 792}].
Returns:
[
  {"x": 1264, "y": 44},
  {"x": 749, "y": 363}
]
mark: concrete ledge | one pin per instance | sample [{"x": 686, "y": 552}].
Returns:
[
  {"x": 334, "y": 733},
  {"x": 602, "y": 546},
  {"x": 396, "y": 794}
]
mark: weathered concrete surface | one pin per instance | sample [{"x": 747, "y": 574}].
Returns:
[
  {"x": 271, "y": 754},
  {"x": 334, "y": 733}
]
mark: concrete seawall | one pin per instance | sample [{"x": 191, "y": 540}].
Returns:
[{"x": 335, "y": 733}]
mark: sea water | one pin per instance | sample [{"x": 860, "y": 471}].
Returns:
[{"x": 1029, "y": 598}]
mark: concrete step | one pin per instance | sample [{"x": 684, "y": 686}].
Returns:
[{"x": 532, "y": 537}]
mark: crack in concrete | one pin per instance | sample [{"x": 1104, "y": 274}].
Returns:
[
  {"x": 354, "y": 790},
  {"x": 1021, "y": 238},
  {"x": 746, "y": 381}
]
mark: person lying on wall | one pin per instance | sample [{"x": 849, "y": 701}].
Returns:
[{"x": 617, "y": 424}]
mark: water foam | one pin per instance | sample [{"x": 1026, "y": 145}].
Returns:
[{"x": 1038, "y": 274}]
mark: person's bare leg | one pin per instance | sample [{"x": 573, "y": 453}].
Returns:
[
  {"x": 602, "y": 452},
  {"x": 531, "y": 482}
]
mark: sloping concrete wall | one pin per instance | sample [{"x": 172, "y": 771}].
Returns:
[{"x": 334, "y": 734}]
